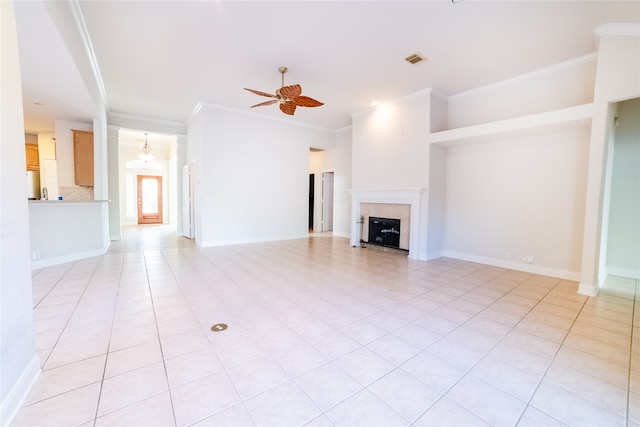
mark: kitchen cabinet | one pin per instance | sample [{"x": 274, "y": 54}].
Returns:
[
  {"x": 33, "y": 162},
  {"x": 83, "y": 157}
]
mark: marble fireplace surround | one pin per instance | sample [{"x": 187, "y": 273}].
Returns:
[
  {"x": 366, "y": 201},
  {"x": 398, "y": 211}
]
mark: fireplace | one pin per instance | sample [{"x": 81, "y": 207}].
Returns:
[
  {"x": 384, "y": 232},
  {"x": 401, "y": 203}
]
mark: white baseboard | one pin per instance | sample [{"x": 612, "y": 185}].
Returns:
[
  {"x": 19, "y": 392},
  {"x": 214, "y": 243},
  {"x": 623, "y": 272},
  {"x": 588, "y": 289},
  {"x": 434, "y": 255},
  {"x": 515, "y": 265},
  {"x": 339, "y": 234},
  {"x": 48, "y": 262}
]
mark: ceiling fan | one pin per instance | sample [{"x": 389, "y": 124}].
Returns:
[{"x": 289, "y": 97}]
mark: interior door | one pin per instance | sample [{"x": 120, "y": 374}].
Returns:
[
  {"x": 149, "y": 199},
  {"x": 327, "y": 201},
  {"x": 187, "y": 224}
]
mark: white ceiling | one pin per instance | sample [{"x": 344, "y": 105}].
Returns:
[{"x": 158, "y": 59}]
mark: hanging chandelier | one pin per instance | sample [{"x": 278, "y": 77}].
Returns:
[{"x": 146, "y": 156}]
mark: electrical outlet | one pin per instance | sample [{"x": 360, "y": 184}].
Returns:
[
  {"x": 530, "y": 259},
  {"x": 523, "y": 258},
  {"x": 35, "y": 255},
  {"x": 508, "y": 256}
]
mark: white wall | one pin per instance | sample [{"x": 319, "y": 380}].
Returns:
[
  {"x": 623, "y": 243},
  {"x": 252, "y": 176},
  {"x": 194, "y": 157},
  {"x": 113, "y": 154},
  {"x": 437, "y": 195},
  {"x": 559, "y": 86},
  {"x": 389, "y": 148},
  {"x": 67, "y": 231},
  {"x": 524, "y": 196},
  {"x": 616, "y": 80},
  {"x": 338, "y": 161},
  {"x": 19, "y": 365}
]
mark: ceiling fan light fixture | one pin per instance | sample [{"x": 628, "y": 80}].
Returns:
[
  {"x": 414, "y": 59},
  {"x": 287, "y": 97}
]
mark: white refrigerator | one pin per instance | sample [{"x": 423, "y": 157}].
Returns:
[{"x": 33, "y": 185}]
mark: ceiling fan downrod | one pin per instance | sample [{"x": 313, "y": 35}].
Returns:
[{"x": 283, "y": 70}]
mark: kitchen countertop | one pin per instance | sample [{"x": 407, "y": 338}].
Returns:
[{"x": 60, "y": 202}]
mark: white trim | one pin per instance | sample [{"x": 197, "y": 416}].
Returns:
[
  {"x": 590, "y": 57},
  {"x": 214, "y": 243},
  {"x": 409, "y": 196},
  {"x": 257, "y": 116},
  {"x": 514, "y": 265},
  {"x": 133, "y": 122},
  {"x": 48, "y": 262},
  {"x": 339, "y": 234},
  {"x": 76, "y": 11},
  {"x": 19, "y": 392},
  {"x": 628, "y": 273},
  {"x": 434, "y": 255},
  {"x": 590, "y": 290},
  {"x": 344, "y": 128},
  {"x": 578, "y": 116},
  {"x": 618, "y": 29}
]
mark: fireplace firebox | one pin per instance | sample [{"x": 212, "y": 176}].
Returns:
[{"x": 384, "y": 232}]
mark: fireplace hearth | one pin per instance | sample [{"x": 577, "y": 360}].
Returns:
[{"x": 384, "y": 232}]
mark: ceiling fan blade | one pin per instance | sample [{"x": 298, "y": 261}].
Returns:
[
  {"x": 290, "y": 92},
  {"x": 257, "y": 92},
  {"x": 262, "y": 104},
  {"x": 305, "y": 101},
  {"x": 288, "y": 108}
]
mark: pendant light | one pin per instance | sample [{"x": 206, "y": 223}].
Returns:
[{"x": 146, "y": 156}]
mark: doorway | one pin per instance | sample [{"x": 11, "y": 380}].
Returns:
[
  {"x": 149, "y": 199},
  {"x": 312, "y": 179}
]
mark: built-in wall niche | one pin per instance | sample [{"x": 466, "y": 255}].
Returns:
[{"x": 399, "y": 211}]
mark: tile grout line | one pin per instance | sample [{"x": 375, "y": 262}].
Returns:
[
  {"x": 52, "y": 287},
  {"x": 66, "y": 324},
  {"x": 155, "y": 318},
  {"x": 494, "y": 346},
  {"x": 224, "y": 367},
  {"x": 544, "y": 374},
  {"x": 106, "y": 358},
  {"x": 629, "y": 377}
]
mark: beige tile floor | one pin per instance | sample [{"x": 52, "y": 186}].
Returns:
[{"x": 320, "y": 334}]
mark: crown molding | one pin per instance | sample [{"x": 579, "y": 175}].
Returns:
[
  {"x": 574, "y": 62},
  {"x": 130, "y": 121},
  {"x": 618, "y": 29},
  {"x": 76, "y": 12},
  {"x": 202, "y": 105}
]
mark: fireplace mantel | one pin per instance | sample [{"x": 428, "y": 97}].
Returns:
[{"x": 409, "y": 196}]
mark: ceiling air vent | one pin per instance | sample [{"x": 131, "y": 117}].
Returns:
[{"x": 414, "y": 59}]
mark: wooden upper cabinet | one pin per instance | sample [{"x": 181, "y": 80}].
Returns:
[
  {"x": 33, "y": 161},
  {"x": 83, "y": 157}
]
